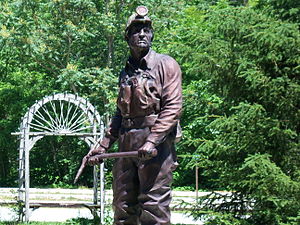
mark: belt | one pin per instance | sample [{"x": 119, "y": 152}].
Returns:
[{"x": 139, "y": 122}]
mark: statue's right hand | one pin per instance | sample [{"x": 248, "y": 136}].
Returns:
[
  {"x": 96, "y": 151},
  {"x": 92, "y": 158}
]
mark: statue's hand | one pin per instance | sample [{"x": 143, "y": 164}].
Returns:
[
  {"x": 147, "y": 151},
  {"x": 96, "y": 151},
  {"x": 92, "y": 158}
]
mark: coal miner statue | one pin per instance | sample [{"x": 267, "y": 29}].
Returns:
[{"x": 146, "y": 121}]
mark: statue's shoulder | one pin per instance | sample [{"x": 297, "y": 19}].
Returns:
[
  {"x": 164, "y": 58},
  {"x": 167, "y": 61}
]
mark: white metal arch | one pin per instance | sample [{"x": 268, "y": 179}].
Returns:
[{"x": 59, "y": 115}]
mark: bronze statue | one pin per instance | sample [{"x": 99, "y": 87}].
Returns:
[{"x": 147, "y": 121}]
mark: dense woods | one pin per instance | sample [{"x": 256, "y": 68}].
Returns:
[{"x": 241, "y": 65}]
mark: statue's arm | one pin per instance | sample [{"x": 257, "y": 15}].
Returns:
[
  {"x": 171, "y": 102},
  {"x": 112, "y": 132},
  {"x": 111, "y": 135}
]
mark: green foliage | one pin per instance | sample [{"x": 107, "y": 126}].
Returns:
[
  {"x": 224, "y": 219},
  {"x": 240, "y": 63},
  {"x": 61, "y": 158},
  {"x": 99, "y": 85},
  {"x": 241, "y": 72},
  {"x": 276, "y": 194},
  {"x": 283, "y": 9},
  {"x": 72, "y": 46},
  {"x": 17, "y": 92}
]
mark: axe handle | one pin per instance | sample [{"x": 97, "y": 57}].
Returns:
[{"x": 132, "y": 154}]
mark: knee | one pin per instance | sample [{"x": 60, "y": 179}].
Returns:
[{"x": 154, "y": 197}]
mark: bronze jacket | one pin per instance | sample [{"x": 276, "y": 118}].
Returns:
[{"x": 151, "y": 88}]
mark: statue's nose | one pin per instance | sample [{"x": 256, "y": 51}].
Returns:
[{"x": 142, "y": 32}]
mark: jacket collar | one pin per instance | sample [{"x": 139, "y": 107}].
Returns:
[{"x": 147, "y": 62}]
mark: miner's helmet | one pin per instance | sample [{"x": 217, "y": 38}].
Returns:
[{"x": 140, "y": 16}]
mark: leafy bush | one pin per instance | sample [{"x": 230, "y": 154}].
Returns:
[{"x": 241, "y": 116}]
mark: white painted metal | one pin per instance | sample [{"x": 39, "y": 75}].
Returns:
[
  {"x": 101, "y": 193},
  {"x": 59, "y": 115}
]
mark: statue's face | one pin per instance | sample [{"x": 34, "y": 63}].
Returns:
[{"x": 140, "y": 36}]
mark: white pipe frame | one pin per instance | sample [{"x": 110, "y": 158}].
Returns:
[{"x": 58, "y": 126}]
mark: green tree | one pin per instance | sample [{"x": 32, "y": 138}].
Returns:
[
  {"x": 240, "y": 63},
  {"x": 75, "y": 46},
  {"x": 241, "y": 76},
  {"x": 283, "y": 9}
]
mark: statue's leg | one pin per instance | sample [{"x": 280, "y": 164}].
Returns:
[
  {"x": 126, "y": 181},
  {"x": 125, "y": 190},
  {"x": 155, "y": 192}
]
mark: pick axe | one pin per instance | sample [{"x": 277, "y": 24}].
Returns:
[{"x": 132, "y": 154}]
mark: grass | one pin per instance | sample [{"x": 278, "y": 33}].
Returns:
[
  {"x": 74, "y": 222},
  {"x": 32, "y": 223},
  {"x": 77, "y": 221}
]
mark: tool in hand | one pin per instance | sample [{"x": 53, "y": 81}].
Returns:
[{"x": 132, "y": 154}]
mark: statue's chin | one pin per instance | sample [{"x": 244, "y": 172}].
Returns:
[{"x": 140, "y": 47}]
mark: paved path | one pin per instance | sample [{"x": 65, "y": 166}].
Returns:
[{"x": 77, "y": 196}]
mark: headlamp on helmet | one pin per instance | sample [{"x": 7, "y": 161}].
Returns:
[{"x": 140, "y": 16}]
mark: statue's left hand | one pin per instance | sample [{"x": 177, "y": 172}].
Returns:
[{"x": 147, "y": 151}]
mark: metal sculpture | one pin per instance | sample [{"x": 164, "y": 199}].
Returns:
[
  {"x": 99, "y": 158},
  {"x": 146, "y": 120}
]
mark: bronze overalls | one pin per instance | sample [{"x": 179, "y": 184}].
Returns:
[{"x": 149, "y": 106}]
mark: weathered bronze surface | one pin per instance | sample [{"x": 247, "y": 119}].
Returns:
[
  {"x": 146, "y": 120},
  {"x": 100, "y": 157}
]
